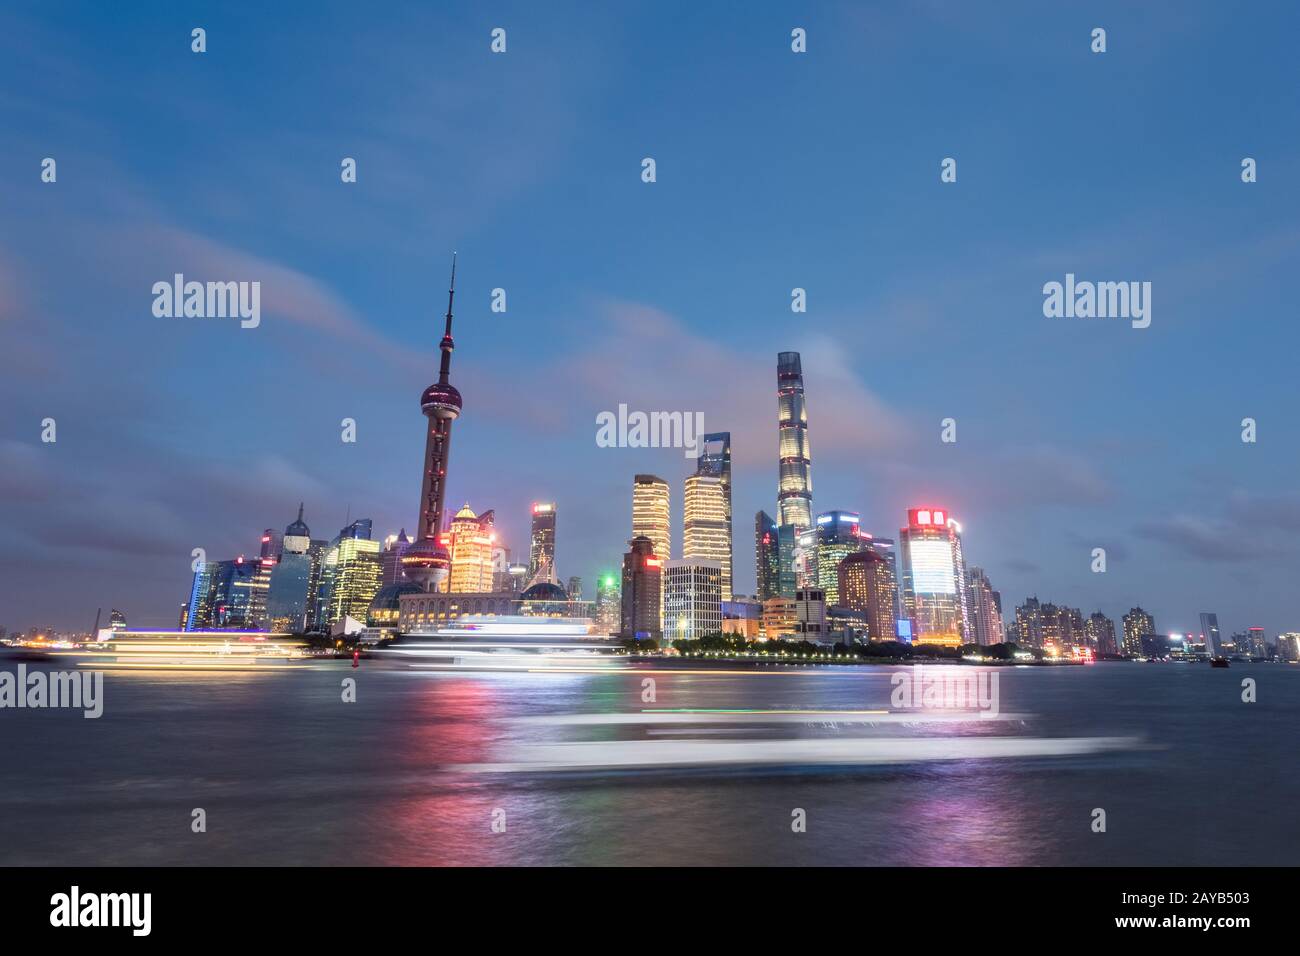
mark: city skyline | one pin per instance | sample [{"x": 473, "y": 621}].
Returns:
[{"x": 175, "y": 434}]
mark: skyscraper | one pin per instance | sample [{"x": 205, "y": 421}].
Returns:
[
  {"x": 642, "y": 591},
  {"x": 651, "y": 516},
  {"x": 705, "y": 530},
  {"x": 353, "y": 571},
  {"x": 1100, "y": 631},
  {"x": 794, "y": 487},
  {"x": 608, "y": 603},
  {"x": 787, "y": 543},
  {"x": 865, "y": 582},
  {"x": 934, "y": 577},
  {"x": 767, "y": 556},
  {"x": 427, "y": 561},
  {"x": 395, "y": 546},
  {"x": 692, "y": 598},
  {"x": 287, "y": 598},
  {"x": 1210, "y": 632},
  {"x": 1137, "y": 623},
  {"x": 985, "y": 609},
  {"x": 836, "y": 535},
  {"x": 541, "y": 549},
  {"x": 715, "y": 460}
]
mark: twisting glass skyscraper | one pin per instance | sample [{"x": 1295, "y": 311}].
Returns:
[
  {"x": 427, "y": 561},
  {"x": 794, "y": 488}
]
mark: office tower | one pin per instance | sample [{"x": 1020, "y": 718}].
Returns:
[
  {"x": 934, "y": 575},
  {"x": 642, "y": 591},
  {"x": 117, "y": 620},
  {"x": 1256, "y": 643},
  {"x": 518, "y": 577},
  {"x": 317, "y": 555},
  {"x": 1210, "y": 632},
  {"x": 986, "y": 616},
  {"x": 767, "y": 557},
  {"x": 427, "y": 561},
  {"x": 836, "y": 535},
  {"x": 715, "y": 460},
  {"x": 472, "y": 539},
  {"x": 1100, "y": 631},
  {"x": 268, "y": 555},
  {"x": 231, "y": 594},
  {"x": 1288, "y": 645},
  {"x": 541, "y": 549},
  {"x": 786, "y": 544},
  {"x": 794, "y": 487},
  {"x": 866, "y": 583},
  {"x": 395, "y": 546},
  {"x": 692, "y": 598},
  {"x": 199, "y": 617},
  {"x": 705, "y": 530},
  {"x": 1137, "y": 623},
  {"x": 352, "y": 572},
  {"x": 180, "y": 622},
  {"x": 574, "y": 588},
  {"x": 609, "y": 601},
  {"x": 287, "y": 599},
  {"x": 651, "y": 516}
]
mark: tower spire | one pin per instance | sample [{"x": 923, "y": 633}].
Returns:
[{"x": 444, "y": 367}]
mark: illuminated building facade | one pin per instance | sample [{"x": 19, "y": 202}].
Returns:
[
  {"x": 395, "y": 547},
  {"x": 836, "y": 535},
  {"x": 427, "y": 561},
  {"x": 706, "y": 532},
  {"x": 350, "y": 576},
  {"x": 541, "y": 549},
  {"x": 199, "y": 615},
  {"x": 287, "y": 597},
  {"x": 1137, "y": 623},
  {"x": 866, "y": 584},
  {"x": 1210, "y": 632},
  {"x": 231, "y": 594},
  {"x": 642, "y": 591},
  {"x": 472, "y": 538},
  {"x": 651, "y": 514},
  {"x": 934, "y": 578},
  {"x": 692, "y": 598},
  {"x": 767, "y": 556},
  {"x": 715, "y": 460},
  {"x": 787, "y": 545},
  {"x": 609, "y": 610},
  {"x": 1100, "y": 632},
  {"x": 794, "y": 485},
  {"x": 985, "y": 609},
  {"x": 780, "y": 619}
]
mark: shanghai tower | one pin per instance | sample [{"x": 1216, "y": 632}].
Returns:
[
  {"x": 427, "y": 561},
  {"x": 794, "y": 491}
]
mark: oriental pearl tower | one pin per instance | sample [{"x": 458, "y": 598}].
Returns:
[{"x": 427, "y": 562}]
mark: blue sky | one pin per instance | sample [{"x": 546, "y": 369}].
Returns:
[{"x": 775, "y": 170}]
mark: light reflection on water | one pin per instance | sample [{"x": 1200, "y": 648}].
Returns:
[{"x": 289, "y": 774}]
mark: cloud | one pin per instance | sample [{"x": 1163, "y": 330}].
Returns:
[{"x": 647, "y": 359}]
